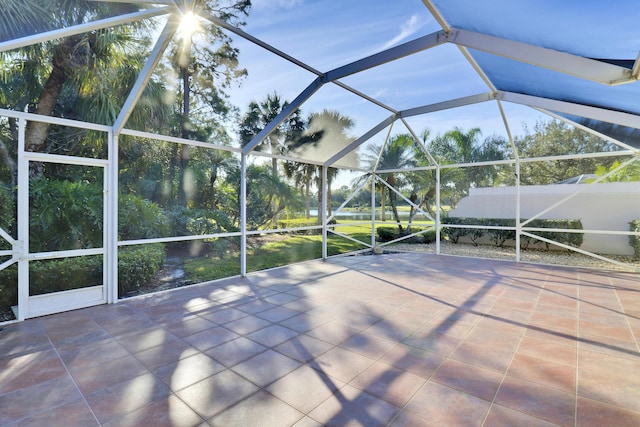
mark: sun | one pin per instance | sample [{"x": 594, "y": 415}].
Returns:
[{"x": 189, "y": 24}]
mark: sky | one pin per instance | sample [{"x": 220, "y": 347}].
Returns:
[{"x": 326, "y": 34}]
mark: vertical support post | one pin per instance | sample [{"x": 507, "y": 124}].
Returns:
[
  {"x": 324, "y": 212},
  {"x": 23, "y": 223},
  {"x": 373, "y": 211},
  {"x": 243, "y": 215},
  {"x": 518, "y": 226},
  {"x": 111, "y": 225},
  {"x": 438, "y": 227}
]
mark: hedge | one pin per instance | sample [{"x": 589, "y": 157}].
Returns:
[
  {"x": 499, "y": 237},
  {"x": 302, "y": 222},
  {"x": 387, "y": 234},
  {"x": 634, "y": 241},
  {"x": 136, "y": 266}
]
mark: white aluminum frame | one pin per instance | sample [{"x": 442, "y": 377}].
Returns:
[{"x": 569, "y": 64}]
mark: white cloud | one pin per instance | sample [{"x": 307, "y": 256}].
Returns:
[
  {"x": 274, "y": 5},
  {"x": 409, "y": 27}
]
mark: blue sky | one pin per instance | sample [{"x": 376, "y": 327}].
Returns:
[{"x": 327, "y": 34}]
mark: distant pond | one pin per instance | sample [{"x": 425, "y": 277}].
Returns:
[{"x": 366, "y": 215}]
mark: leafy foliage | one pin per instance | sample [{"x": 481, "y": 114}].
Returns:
[
  {"x": 7, "y": 213},
  {"x": 634, "y": 241},
  {"x": 499, "y": 237},
  {"x": 65, "y": 215},
  {"x": 137, "y": 265},
  {"x": 387, "y": 234},
  {"x": 64, "y": 274},
  {"x": 629, "y": 173},
  {"x": 554, "y": 138},
  {"x": 140, "y": 218},
  {"x": 462, "y": 147}
]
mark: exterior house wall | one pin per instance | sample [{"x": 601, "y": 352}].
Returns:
[{"x": 606, "y": 206}]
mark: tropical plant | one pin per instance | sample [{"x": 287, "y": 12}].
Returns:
[
  {"x": 259, "y": 115},
  {"x": 463, "y": 147},
  {"x": 326, "y": 133},
  {"x": 264, "y": 191},
  {"x": 396, "y": 153}
]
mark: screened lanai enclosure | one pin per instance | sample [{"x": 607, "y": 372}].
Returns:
[{"x": 154, "y": 144}]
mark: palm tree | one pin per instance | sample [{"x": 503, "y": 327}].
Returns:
[
  {"x": 302, "y": 175},
  {"x": 397, "y": 153},
  {"x": 259, "y": 115},
  {"x": 458, "y": 146},
  {"x": 76, "y": 66},
  {"x": 326, "y": 133}
]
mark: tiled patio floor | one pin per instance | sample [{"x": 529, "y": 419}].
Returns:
[{"x": 399, "y": 340}]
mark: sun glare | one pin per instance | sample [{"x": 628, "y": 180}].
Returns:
[{"x": 189, "y": 24}]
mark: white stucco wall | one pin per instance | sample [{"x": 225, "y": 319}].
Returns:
[{"x": 607, "y": 206}]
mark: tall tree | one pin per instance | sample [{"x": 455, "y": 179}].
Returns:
[
  {"x": 73, "y": 64},
  {"x": 326, "y": 133},
  {"x": 457, "y": 147},
  {"x": 259, "y": 115},
  {"x": 206, "y": 63},
  {"x": 553, "y": 138},
  {"x": 302, "y": 175},
  {"x": 396, "y": 153}
]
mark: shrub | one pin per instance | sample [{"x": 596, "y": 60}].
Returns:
[
  {"x": 571, "y": 239},
  {"x": 634, "y": 241},
  {"x": 387, "y": 234},
  {"x": 65, "y": 215},
  {"x": 64, "y": 274},
  {"x": 9, "y": 286},
  {"x": 137, "y": 265},
  {"x": 140, "y": 218},
  {"x": 299, "y": 222},
  {"x": 429, "y": 236},
  {"x": 7, "y": 213},
  {"x": 499, "y": 237},
  {"x": 454, "y": 234}
]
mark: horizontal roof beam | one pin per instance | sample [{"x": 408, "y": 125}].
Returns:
[
  {"x": 602, "y": 114},
  {"x": 396, "y": 52},
  {"x": 237, "y": 31},
  {"x": 282, "y": 116},
  {"x": 578, "y": 66},
  {"x": 83, "y": 28},
  {"x": 445, "y": 105}
]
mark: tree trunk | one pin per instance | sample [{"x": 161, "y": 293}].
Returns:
[
  {"x": 383, "y": 205},
  {"x": 36, "y": 134},
  {"x": 329, "y": 182},
  {"x": 274, "y": 170},
  {"x": 307, "y": 185},
  {"x": 391, "y": 180},
  {"x": 185, "y": 132},
  {"x": 6, "y": 158},
  {"x": 320, "y": 206}
]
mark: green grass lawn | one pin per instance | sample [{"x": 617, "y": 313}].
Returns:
[{"x": 292, "y": 249}]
